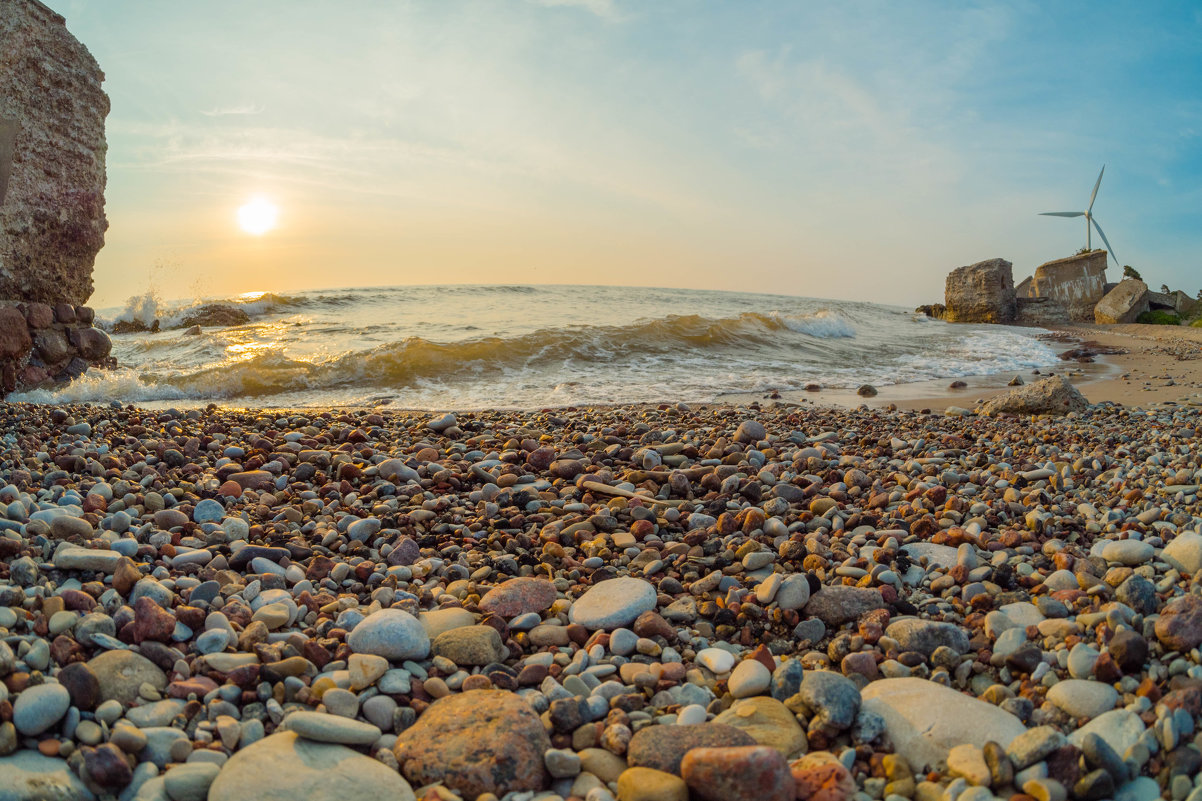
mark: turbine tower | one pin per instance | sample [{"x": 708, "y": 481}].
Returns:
[{"x": 1089, "y": 218}]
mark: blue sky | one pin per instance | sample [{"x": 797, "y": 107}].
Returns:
[{"x": 851, "y": 150}]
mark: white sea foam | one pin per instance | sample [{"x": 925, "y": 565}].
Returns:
[{"x": 825, "y": 324}]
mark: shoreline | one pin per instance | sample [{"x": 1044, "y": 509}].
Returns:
[{"x": 1161, "y": 365}]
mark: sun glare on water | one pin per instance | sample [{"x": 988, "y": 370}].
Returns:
[{"x": 258, "y": 216}]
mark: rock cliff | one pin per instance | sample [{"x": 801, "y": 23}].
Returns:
[
  {"x": 52, "y": 106},
  {"x": 52, "y": 221},
  {"x": 981, "y": 293}
]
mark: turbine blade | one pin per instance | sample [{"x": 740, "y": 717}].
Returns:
[
  {"x": 1095, "y": 188},
  {"x": 1099, "y": 229},
  {"x": 1061, "y": 214}
]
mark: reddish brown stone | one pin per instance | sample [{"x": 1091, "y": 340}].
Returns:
[
  {"x": 64, "y": 313},
  {"x": 151, "y": 622},
  {"x": 106, "y": 766},
  {"x": 253, "y": 479},
  {"x": 126, "y": 575},
  {"x": 719, "y": 774},
  {"x": 1179, "y": 626},
  {"x": 191, "y": 616},
  {"x": 39, "y": 315},
  {"x": 652, "y": 624},
  {"x": 14, "y": 334},
  {"x": 485, "y": 741},
  {"x": 826, "y": 781},
  {"x": 198, "y": 685},
  {"x": 64, "y": 650},
  {"x": 518, "y": 596}
]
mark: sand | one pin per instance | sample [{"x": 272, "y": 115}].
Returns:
[{"x": 1160, "y": 365}]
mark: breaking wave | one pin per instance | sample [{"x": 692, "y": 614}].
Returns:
[{"x": 521, "y": 346}]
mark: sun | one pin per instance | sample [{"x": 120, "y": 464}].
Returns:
[{"x": 257, "y": 216}]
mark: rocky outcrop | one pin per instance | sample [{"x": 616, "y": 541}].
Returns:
[
  {"x": 215, "y": 314},
  {"x": 1124, "y": 303},
  {"x": 52, "y": 177},
  {"x": 1053, "y": 395},
  {"x": 41, "y": 345},
  {"x": 981, "y": 293},
  {"x": 52, "y": 219},
  {"x": 1077, "y": 283}
]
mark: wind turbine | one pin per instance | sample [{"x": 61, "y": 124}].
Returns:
[{"x": 1088, "y": 215}]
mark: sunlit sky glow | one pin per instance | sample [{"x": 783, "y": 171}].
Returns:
[{"x": 850, "y": 150}]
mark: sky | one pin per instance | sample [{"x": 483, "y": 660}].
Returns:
[{"x": 855, "y": 150}]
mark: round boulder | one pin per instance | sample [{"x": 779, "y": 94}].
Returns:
[
  {"x": 483, "y": 741},
  {"x": 121, "y": 673},
  {"x": 393, "y": 634}
]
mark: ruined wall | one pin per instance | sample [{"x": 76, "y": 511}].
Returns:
[
  {"x": 52, "y": 219},
  {"x": 1077, "y": 282}
]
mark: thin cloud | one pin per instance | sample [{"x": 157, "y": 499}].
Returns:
[
  {"x": 227, "y": 111},
  {"x": 605, "y": 9}
]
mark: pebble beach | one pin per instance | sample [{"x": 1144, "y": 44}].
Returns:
[{"x": 644, "y": 603}]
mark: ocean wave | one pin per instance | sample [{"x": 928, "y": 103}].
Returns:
[
  {"x": 141, "y": 311},
  {"x": 401, "y": 363},
  {"x": 824, "y": 324}
]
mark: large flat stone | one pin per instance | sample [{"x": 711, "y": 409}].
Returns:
[{"x": 925, "y": 720}]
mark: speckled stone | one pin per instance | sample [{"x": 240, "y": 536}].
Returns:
[
  {"x": 663, "y": 747},
  {"x": 519, "y": 596},
  {"x": 485, "y": 741}
]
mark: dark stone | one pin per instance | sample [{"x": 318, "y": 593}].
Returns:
[
  {"x": 786, "y": 679},
  {"x": 1129, "y": 650},
  {"x": 243, "y": 557},
  {"x": 81, "y": 684},
  {"x": 106, "y": 765},
  {"x": 1138, "y": 593},
  {"x": 92, "y": 343},
  {"x": 51, "y": 346},
  {"x": 663, "y": 747},
  {"x": 1184, "y": 761},
  {"x": 64, "y": 313},
  {"x": 1094, "y": 786},
  {"x": 1025, "y": 659}
]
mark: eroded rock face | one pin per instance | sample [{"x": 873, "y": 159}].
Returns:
[
  {"x": 52, "y": 219},
  {"x": 981, "y": 293}
]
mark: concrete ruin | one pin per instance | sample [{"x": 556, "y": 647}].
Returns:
[{"x": 1076, "y": 283}]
